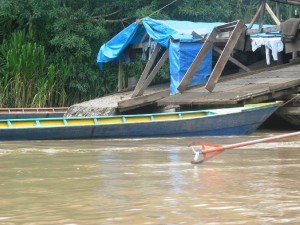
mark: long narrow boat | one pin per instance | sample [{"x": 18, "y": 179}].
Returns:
[
  {"x": 228, "y": 121},
  {"x": 22, "y": 113}
]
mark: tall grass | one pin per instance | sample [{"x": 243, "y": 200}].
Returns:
[{"x": 25, "y": 78}]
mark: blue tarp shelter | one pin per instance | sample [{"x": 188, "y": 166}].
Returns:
[{"x": 182, "y": 49}]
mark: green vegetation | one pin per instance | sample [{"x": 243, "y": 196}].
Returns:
[{"x": 48, "y": 48}]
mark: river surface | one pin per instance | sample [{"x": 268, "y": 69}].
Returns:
[{"x": 149, "y": 181}]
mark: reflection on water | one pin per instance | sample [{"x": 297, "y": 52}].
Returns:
[{"x": 149, "y": 181}]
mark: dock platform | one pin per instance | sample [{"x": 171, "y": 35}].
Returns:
[{"x": 253, "y": 87}]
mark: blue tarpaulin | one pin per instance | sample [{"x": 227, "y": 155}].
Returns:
[
  {"x": 181, "y": 55},
  {"x": 160, "y": 32},
  {"x": 181, "y": 52}
]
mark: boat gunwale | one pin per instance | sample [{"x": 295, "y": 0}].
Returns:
[{"x": 36, "y": 122}]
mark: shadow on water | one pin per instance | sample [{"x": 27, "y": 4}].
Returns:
[{"x": 277, "y": 123}]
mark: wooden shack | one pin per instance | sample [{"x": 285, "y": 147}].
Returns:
[{"x": 248, "y": 86}]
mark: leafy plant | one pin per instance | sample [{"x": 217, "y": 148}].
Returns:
[{"x": 26, "y": 80}]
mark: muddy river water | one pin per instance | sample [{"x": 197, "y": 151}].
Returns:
[{"x": 149, "y": 181}]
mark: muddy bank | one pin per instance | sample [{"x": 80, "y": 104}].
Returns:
[{"x": 107, "y": 105}]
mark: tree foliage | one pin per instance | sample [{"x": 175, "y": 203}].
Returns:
[{"x": 69, "y": 33}]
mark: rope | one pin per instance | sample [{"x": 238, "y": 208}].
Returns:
[
  {"x": 295, "y": 97},
  {"x": 163, "y": 7}
]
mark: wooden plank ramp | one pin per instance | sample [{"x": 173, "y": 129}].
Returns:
[{"x": 253, "y": 87}]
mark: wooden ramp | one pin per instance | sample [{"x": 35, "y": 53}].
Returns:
[{"x": 252, "y": 87}]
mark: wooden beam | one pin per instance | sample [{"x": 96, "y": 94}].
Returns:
[
  {"x": 264, "y": 30},
  {"x": 184, "y": 83},
  {"x": 233, "y": 60},
  {"x": 255, "y": 17},
  {"x": 142, "y": 100},
  {"x": 285, "y": 85},
  {"x": 153, "y": 73},
  {"x": 272, "y": 14},
  {"x": 224, "y": 27},
  {"x": 146, "y": 71},
  {"x": 216, "y": 73}
]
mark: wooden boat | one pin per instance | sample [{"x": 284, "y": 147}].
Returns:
[
  {"x": 22, "y": 113},
  {"x": 227, "y": 121}
]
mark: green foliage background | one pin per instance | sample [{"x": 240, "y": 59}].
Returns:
[{"x": 48, "y": 48}]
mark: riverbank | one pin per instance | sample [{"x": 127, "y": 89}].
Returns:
[{"x": 107, "y": 105}]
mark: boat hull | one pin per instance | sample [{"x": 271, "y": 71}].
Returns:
[{"x": 238, "y": 123}]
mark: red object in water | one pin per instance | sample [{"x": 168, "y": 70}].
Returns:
[{"x": 209, "y": 151}]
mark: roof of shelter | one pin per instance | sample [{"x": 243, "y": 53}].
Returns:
[{"x": 159, "y": 31}]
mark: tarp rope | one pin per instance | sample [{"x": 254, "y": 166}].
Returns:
[{"x": 162, "y": 8}]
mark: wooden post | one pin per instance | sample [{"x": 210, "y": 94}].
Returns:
[
  {"x": 216, "y": 73},
  {"x": 121, "y": 76},
  {"x": 294, "y": 55},
  {"x": 262, "y": 14},
  {"x": 277, "y": 11}
]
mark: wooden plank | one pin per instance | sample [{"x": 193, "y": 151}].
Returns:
[
  {"x": 288, "y": 91},
  {"x": 233, "y": 60},
  {"x": 264, "y": 30},
  {"x": 153, "y": 73},
  {"x": 216, "y": 73},
  {"x": 270, "y": 96},
  {"x": 255, "y": 17},
  {"x": 225, "y": 26},
  {"x": 146, "y": 70},
  {"x": 273, "y": 75},
  {"x": 251, "y": 88},
  {"x": 275, "y": 80},
  {"x": 228, "y": 85},
  {"x": 142, "y": 100},
  {"x": 184, "y": 83},
  {"x": 219, "y": 88},
  {"x": 272, "y": 14},
  {"x": 194, "y": 98},
  {"x": 294, "y": 68},
  {"x": 285, "y": 85}
]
